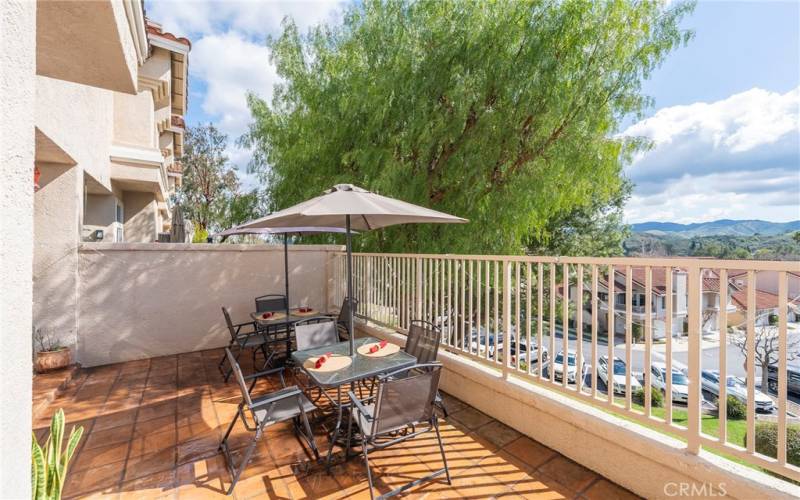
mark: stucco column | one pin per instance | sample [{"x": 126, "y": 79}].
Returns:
[{"x": 17, "y": 144}]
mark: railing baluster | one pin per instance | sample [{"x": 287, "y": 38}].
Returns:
[
  {"x": 565, "y": 325},
  {"x": 693, "y": 402},
  {"x": 751, "y": 358},
  {"x": 528, "y": 289},
  {"x": 540, "y": 319},
  {"x": 506, "y": 265},
  {"x": 648, "y": 336},
  {"x": 612, "y": 276},
  {"x": 783, "y": 355},
  {"x": 462, "y": 317},
  {"x": 552, "y": 327},
  {"x": 668, "y": 326},
  {"x": 628, "y": 338},
  {"x": 517, "y": 330},
  {"x": 468, "y": 340},
  {"x": 579, "y": 329},
  {"x": 496, "y": 325},
  {"x": 722, "y": 399},
  {"x": 595, "y": 314}
]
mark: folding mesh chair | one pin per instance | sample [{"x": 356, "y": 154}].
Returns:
[
  {"x": 400, "y": 403},
  {"x": 288, "y": 403},
  {"x": 315, "y": 332},
  {"x": 271, "y": 303},
  {"x": 276, "y": 334},
  {"x": 343, "y": 317},
  {"x": 422, "y": 342},
  {"x": 243, "y": 336}
]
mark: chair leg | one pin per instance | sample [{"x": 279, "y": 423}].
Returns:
[
  {"x": 366, "y": 464},
  {"x": 440, "y": 404},
  {"x": 349, "y": 436},
  {"x": 441, "y": 447},
  {"x": 308, "y": 431},
  {"x": 223, "y": 443},
  {"x": 237, "y": 472}
]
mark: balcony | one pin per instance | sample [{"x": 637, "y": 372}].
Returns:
[
  {"x": 154, "y": 405},
  {"x": 152, "y": 428}
]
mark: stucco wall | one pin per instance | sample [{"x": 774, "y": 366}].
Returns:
[
  {"x": 134, "y": 120},
  {"x": 57, "y": 210},
  {"x": 99, "y": 213},
  {"x": 141, "y": 211},
  {"x": 145, "y": 300},
  {"x": 78, "y": 119},
  {"x": 17, "y": 95}
]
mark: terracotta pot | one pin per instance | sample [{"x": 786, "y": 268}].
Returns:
[{"x": 52, "y": 360}]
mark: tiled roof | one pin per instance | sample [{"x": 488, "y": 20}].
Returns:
[
  {"x": 155, "y": 30},
  {"x": 764, "y": 300}
]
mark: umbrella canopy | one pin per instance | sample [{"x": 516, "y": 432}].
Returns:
[
  {"x": 177, "y": 232},
  {"x": 367, "y": 210},
  {"x": 351, "y": 207},
  {"x": 235, "y": 230}
]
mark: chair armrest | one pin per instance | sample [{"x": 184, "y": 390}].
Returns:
[
  {"x": 359, "y": 406},
  {"x": 282, "y": 394},
  {"x": 255, "y": 376}
]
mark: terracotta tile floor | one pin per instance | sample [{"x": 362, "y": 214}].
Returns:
[{"x": 152, "y": 428}]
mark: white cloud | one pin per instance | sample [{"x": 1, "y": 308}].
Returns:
[
  {"x": 229, "y": 55},
  {"x": 734, "y": 158}
]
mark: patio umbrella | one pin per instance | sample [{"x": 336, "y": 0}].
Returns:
[
  {"x": 350, "y": 208},
  {"x": 177, "y": 232},
  {"x": 285, "y": 231}
]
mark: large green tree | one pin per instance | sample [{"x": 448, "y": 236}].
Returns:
[
  {"x": 503, "y": 112},
  {"x": 209, "y": 192}
]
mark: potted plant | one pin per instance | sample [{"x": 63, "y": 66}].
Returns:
[
  {"x": 50, "y": 355},
  {"x": 50, "y": 462}
]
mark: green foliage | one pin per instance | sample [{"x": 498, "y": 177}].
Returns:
[
  {"x": 736, "y": 410},
  {"x": 773, "y": 319},
  {"x": 767, "y": 441},
  {"x": 49, "y": 463},
  {"x": 500, "y": 112},
  {"x": 637, "y": 331},
  {"x": 767, "y": 247},
  {"x": 200, "y": 235},
  {"x": 656, "y": 397},
  {"x": 209, "y": 190},
  {"x": 796, "y": 237}
]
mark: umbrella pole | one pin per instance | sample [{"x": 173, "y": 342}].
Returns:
[
  {"x": 286, "y": 285},
  {"x": 350, "y": 331}
]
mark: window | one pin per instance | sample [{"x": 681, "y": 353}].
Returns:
[{"x": 119, "y": 215}]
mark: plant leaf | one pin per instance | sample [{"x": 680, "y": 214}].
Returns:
[{"x": 38, "y": 471}]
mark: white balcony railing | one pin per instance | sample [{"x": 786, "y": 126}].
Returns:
[{"x": 498, "y": 310}]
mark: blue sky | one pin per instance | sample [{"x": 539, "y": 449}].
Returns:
[{"x": 725, "y": 120}]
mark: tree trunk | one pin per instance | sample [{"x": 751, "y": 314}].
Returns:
[{"x": 765, "y": 378}]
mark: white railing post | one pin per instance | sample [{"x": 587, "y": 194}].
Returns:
[
  {"x": 418, "y": 288},
  {"x": 693, "y": 403},
  {"x": 506, "y": 317}
]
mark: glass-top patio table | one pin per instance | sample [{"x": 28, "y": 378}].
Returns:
[{"x": 362, "y": 367}]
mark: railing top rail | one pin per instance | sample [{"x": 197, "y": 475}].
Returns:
[{"x": 684, "y": 262}]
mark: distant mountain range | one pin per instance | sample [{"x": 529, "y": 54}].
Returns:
[{"x": 723, "y": 227}]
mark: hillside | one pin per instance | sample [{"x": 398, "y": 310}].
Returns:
[
  {"x": 761, "y": 247},
  {"x": 723, "y": 227}
]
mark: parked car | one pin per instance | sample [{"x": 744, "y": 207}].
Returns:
[
  {"x": 680, "y": 384},
  {"x": 520, "y": 353},
  {"x": 572, "y": 368},
  {"x": 792, "y": 376},
  {"x": 618, "y": 379},
  {"x": 737, "y": 388}
]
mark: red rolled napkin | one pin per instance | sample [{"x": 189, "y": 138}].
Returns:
[
  {"x": 266, "y": 315},
  {"x": 377, "y": 347},
  {"x": 322, "y": 359}
]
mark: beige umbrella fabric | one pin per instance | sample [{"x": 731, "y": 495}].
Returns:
[{"x": 353, "y": 208}]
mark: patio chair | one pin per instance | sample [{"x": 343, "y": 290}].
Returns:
[
  {"x": 242, "y": 338},
  {"x": 271, "y": 303},
  {"x": 315, "y": 332},
  {"x": 288, "y": 403},
  {"x": 342, "y": 318},
  {"x": 422, "y": 342},
  {"x": 401, "y": 403}
]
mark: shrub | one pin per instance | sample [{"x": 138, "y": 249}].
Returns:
[
  {"x": 773, "y": 319},
  {"x": 656, "y": 398},
  {"x": 767, "y": 441},
  {"x": 637, "y": 332},
  {"x": 736, "y": 409}
]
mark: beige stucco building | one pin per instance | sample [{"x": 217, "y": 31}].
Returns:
[{"x": 107, "y": 141}]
